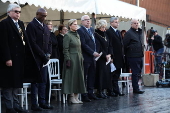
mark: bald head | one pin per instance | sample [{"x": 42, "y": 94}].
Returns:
[
  {"x": 41, "y": 14},
  {"x": 41, "y": 10}
]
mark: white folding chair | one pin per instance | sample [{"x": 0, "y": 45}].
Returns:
[
  {"x": 54, "y": 72},
  {"x": 24, "y": 97},
  {"x": 126, "y": 75}
]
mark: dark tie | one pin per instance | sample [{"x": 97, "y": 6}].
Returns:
[{"x": 117, "y": 32}]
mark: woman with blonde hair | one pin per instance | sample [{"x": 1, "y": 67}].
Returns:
[
  {"x": 103, "y": 70},
  {"x": 73, "y": 77}
]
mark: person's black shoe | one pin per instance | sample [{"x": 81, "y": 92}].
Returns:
[
  {"x": 138, "y": 92},
  {"x": 121, "y": 94},
  {"x": 93, "y": 96},
  {"x": 11, "y": 111},
  {"x": 105, "y": 95},
  {"x": 36, "y": 108},
  {"x": 20, "y": 110},
  {"x": 45, "y": 106},
  {"x": 112, "y": 94},
  {"x": 86, "y": 99},
  {"x": 100, "y": 95}
]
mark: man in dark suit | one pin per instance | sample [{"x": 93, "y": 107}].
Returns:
[
  {"x": 118, "y": 54},
  {"x": 89, "y": 51},
  {"x": 13, "y": 39},
  {"x": 39, "y": 37},
  {"x": 133, "y": 44}
]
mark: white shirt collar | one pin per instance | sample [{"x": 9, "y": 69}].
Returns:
[
  {"x": 14, "y": 21},
  {"x": 114, "y": 29},
  {"x": 39, "y": 22},
  {"x": 61, "y": 34}
]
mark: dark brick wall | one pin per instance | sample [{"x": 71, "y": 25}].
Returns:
[{"x": 158, "y": 11}]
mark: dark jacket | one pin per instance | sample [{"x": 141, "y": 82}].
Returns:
[
  {"x": 40, "y": 41},
  {"x": 12, "y": 48},
  {"x": 157, "y": 42},
  {"x": 87, "y": 44},
  {"x": 133, "y": 43},
  {"x": 55, "y": 48},
  {"x": 118, "y": 48}
]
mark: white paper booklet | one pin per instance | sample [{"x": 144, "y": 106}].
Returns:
[{"x": 98, "y": 56}]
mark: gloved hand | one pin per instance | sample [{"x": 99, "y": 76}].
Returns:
[{"x": 68, "y": 63}]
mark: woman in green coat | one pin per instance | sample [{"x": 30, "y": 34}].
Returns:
[{"x": 73, "y": 77}]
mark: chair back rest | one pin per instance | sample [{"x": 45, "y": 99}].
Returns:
[
  {"x": 53, "y": 68},
  {"x": 125, "y": 74}
]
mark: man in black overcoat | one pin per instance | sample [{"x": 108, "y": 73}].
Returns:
[
  {"x": 39, "y": 37},
  {"x": 12, "y": 47},
  {"x": 133, "y": 46},
  {"x": 118, "y": 54},
  {"x": 89, "y": 50}
]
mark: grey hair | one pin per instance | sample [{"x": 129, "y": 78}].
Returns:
[
  {"x": 71, "y": 21},
  {"x": 113, "y": 18},
  {"x": 11, "y": 7},
  {"x": 132, "y": 21},
  {"x": 101, "y": 23},
  {"x": 82, "y": 18}
]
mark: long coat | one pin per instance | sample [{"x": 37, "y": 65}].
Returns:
[
  {"x": 55, "y": 48},
  {"x": 103, "y": 71},
  {"x": 12, "y": 48},
  {"x": 118, "y": 48},
  {"x": 60, "y": 46},
  {"x": 40, "y": 41},
  {"x": 73, "y": 77}
]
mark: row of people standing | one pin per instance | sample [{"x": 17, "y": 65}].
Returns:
[{"x": 98, "y": 74}]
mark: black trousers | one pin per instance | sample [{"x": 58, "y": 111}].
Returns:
[
  {"x": 39, "y": 89},
  {"x": 10, "y": 97},
  {"x": 136, "y": 65},
  {"x": 89, "y": 76},
  {"x": 115, "y": 78}
]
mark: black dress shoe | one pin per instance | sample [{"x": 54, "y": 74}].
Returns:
[
  {"x": 11, "y": 111},
  {"x": 105, "y": 95},
  {"x": 93, "y": 96},
  {"x": 86, "y": 99},
  {"x": 138, "y": 92},
  {"x": 45, "y": 106},
  {"x": 100, "y": 95},
  {"x": 121, "y": 94},
  {"x": 112, "y": 94},
  {"x": 36, "y": 108},
  {"x": 20, "y": 110}
]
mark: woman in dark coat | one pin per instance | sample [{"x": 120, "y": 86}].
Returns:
[
  {"x": 55, "y": 48},
  {"x": 103, "y": 71},
  {"x": 62, "y": 31}
]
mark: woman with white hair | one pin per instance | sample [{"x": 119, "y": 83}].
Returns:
[
  {"x": 103, "y": 71},
  {"x": 73, "y": 77}
]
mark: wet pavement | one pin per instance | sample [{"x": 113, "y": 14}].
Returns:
[{"x": 154, "y": 100}]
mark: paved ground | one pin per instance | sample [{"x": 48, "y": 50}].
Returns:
[{"x": 154, "y": 100}]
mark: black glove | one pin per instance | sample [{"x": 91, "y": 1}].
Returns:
[{"x": 68, "y": 63}]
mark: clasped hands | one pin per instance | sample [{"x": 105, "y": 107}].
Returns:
[{"x": 46, "y": 58}]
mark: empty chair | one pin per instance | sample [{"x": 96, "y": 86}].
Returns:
[
  {"x": 54, "y": 78},
  {"x": 126, "y": 75},
  {"x": 24, "y": 97}
]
